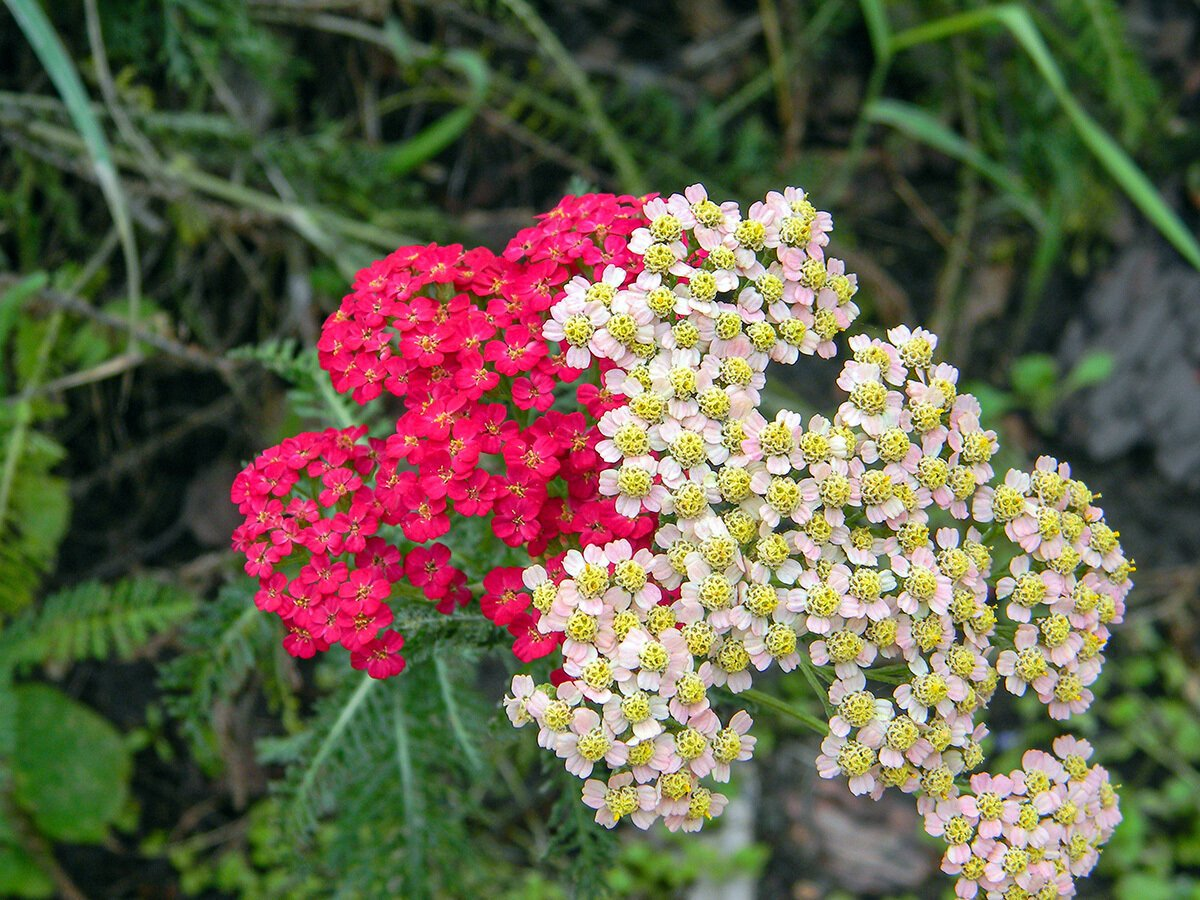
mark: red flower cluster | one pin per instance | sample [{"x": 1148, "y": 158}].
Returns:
[
  {"x": 457, "y": 336},
  {"x": 337, "y": 594}
]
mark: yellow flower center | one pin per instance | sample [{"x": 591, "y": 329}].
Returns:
[
  {"x": 631, "y": 439},
  {"x": 594, "y": 744},
  {"x": 843, "y": 646},
  {"x": 732, "y": 657},
  {"x": 916, "y": 352},
  {"x": 870, "y": 397},
  {"x": 578, "y": 330},
  {"x": 930, "y": 690},
  {"x": 761, "y": 599},
  {"x": 659, "y": 619},
  {"x": 715, "y": 592},
  {"x": 855, "y": 758},
  {"x": 893, "y": 445},
  {"x": 658, "y": 258},
  {"x": 581, "y": 627},
  {"x": 699, "y": 637},
  {"x": 780, "y": 640},
  {"x": 702, "y": 286},
  {"x": 690, "y": 689},
  {"x": 688, "y": 449},
  {"x": 634, "y": 481},
  {"x": 666, "y": 228},
  {"x": 750, "y": 234},
  {"x": 592, "y": 581},
  {"x": 858, "y": 708},
  {"x": 686, "y": 334},
  {"x": 727, "y": 325},
  {"x": 876, "y": 487},
  {"x": 621, "y": 801}
]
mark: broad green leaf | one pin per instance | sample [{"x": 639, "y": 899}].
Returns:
[
  {"x": 1034, "y": 375},
  {"x": 20, "y": 876},
  {"x": 428, "y": 142},
  {"x": 1148, "y": 887},
  {"x": 13, "y": 300},
  {"x": 436, "y": 137},
  {"x": 70, "y": 766},
  {"x": 1092, "y": 369}
]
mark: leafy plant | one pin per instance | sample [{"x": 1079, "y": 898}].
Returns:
[
  {"x": 93, "y": 621},
  {"x": 65, "y": 769},
  {"x": 1021, "y": 27},
  {"x": 34, "y": 505},
  {"x": 1040, "y": 387}
]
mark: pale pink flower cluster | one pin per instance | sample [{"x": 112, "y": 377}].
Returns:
[
  {"x": 1032, "y": 832},
  {"x": 1064, "y": 590},
  {"x": 845, "y": 545}
]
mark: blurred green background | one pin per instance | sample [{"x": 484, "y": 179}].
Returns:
[{"x": 186, "y": 189}]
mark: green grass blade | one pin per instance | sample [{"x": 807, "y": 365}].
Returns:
[
  {"x": 770, "y": 701},
  {"x": 440, "y": 134},
  {"x": 1017, "y": 21},
  {"x": 880, "y": 32},
  {"x": 921, "y": 126},
  {"x": 940, "y": 29},
  {"x": 627, "y": 169},
  {"x": 58, "y": 65}
]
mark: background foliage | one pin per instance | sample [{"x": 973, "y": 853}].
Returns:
[{"x": 187, "y": 186}]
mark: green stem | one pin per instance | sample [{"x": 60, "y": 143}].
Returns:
[
  {"x": 411, "y": 796},
  {"x": 814, "y": 681},
  {"x": 470, "y": 752},
  {"x": 882, "y": 47},
  {"x": 183, "y": 173},
  {"x": 808, "y": 720},
  {"x": 1017, "y": 20},
  {"x": 356, "y": 700}
]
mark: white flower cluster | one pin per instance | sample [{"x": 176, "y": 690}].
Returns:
[
  {"x": 1030, "y": 833},
  {"x": 845, "y": 545}
]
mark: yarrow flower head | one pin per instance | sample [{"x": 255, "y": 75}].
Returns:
[
  {"x": 846, "y": 545},
  {"x": 665, "y": 538}
]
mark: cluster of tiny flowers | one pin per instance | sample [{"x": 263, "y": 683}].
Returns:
[
  {"x": 309, "y": 500},
  {"x": 648, "y": 633},
  {"x": 1031, "y": 833},
  {"x": 848, "y": 545},
  {"x": 669, "y": 538},
  {"x": 1065, "y": 588},
  {"x": 334, "y": 522}
]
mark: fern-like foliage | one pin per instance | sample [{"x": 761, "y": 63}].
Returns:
[
  {"x": 36, "y": 518},
  {"x": 576, "y": 836},
  {"x": 358, "y": 787},
  {"x": 199, "y": 34},
  {"x": 311, "y": 394},
  {"x": 385, "y": 783},
  {"x": 1093, "y": 34},
  {"x": 226, "y": 647},
  {"x": 398, "y": 788},
  {"x": 94, "y": 621}
]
